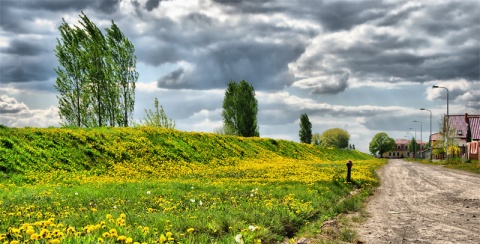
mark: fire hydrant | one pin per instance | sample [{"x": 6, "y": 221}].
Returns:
[{"x": 349, "y": 171}]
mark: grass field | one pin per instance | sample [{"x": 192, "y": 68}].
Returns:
[{"x": 146, "y": 185}]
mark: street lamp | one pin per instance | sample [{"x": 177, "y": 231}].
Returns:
[
  {"x": 448, "y": 123},
  {"x": 430, "y": 137},
  {"x": 415, "y": 146},
  {"x": 421, "y": 140}
]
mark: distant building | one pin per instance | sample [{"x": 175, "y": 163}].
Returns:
[{"x": 401, "y": 150}]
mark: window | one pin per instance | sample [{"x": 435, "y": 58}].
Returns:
[{"x": 459, "y": 132}]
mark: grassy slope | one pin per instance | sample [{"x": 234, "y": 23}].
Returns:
[
  {"x": 27, "y": 149},
  {"x": 295, "y": 185}
]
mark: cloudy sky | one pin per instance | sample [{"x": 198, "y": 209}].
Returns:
[{"x": 363, "y": 66}]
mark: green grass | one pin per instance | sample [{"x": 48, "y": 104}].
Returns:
[{"x": 158, "y": 184}]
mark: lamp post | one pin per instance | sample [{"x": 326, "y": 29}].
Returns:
[
  {"x": 430, "y": 136},
  {"x": 448, "y": 123},
  {"x": 421, "y": 140},
  {"x": 415, "y": 146}
]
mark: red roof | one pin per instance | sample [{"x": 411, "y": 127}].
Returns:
[
  {"x": 475, "y": 127},
  {"x": 458, "y": 123},
  {"x": 406, "y": 142}
]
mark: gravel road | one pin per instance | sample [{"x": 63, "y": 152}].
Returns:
[{"x": 418, "y": 203}]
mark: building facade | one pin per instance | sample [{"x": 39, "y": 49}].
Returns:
[{"x": 401, "y": 150}]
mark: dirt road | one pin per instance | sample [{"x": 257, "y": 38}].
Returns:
[{"x": 419, "y": 203}]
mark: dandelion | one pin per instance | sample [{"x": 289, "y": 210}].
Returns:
[
  {"x": 106, "y": 234},
  {"x": 148, "y": 192},
  {"x": 30, "y": 230},
  {"x": 252, "y": 228},
  {"x": 162, "y": 239},
  {"x": 34, "y": 237},
  {"x": 129, "y": 240},
  {"x": 76, "y": 193},
  {"x": 121, "y": 238},
  {"x": 190, "y": 230},
  {"x": 192, "y": 200},
  {"x": 100, "y": 240},
  {"x": 200, "y": 202}
]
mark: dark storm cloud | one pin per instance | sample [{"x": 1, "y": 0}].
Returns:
[
  {"x": 16, "y": 15},
  {"x": 263, "y": 65},
  {"x": 105, "y": 6},
  {"x": 152, "y": 4},
  {"x": 24, "y": 48},
  {"x": 343, "y": 15},
  {"x": 23, "y": 69}
]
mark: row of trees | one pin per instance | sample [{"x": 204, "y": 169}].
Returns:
[
  {"x": 96, "y": 81},
  {"x": 97, "y": 75},
  {"x": 335, "y": 137}
]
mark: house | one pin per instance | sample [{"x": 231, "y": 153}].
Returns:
[
  {"x": 459, "y": 128},
  {"x": 401, "y": 150}
]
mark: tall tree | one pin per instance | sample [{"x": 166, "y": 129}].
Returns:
[
  {"x": 335, "y": 137},
  {"x": 381, "y": 143},
  {"x": 96, "y": 77},
  {"x": 240, "y": 109},
  {"x": 70, "y": 82},
  {"x": 413, "y": 146},
  {"x": 123, "y": 72},
  {"x": 305, "y": 132}
]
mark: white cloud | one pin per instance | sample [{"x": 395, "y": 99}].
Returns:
[{"x": 17, "y": 114}]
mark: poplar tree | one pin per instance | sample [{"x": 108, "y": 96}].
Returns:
[
  {"x": 305, "y": 132},
  {"x": 96, "y": 77},
  {"x": 124, "y": 74},
  {"x": 240, "y": 110}
]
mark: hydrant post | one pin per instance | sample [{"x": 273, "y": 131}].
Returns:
[{"x": 349, "y": 171}]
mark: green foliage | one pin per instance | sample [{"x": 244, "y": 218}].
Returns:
[
  {"x": 335, "y": 137},
  {"x": 316, "y": 139},
  {"x": 305, "y": 132},
  {"x": 240, "y": 109},
  {"x": 96, "y": 77},
  {"x": 413, "y": 146},
  {"x": 381, "y": 143},
  {"x": 74, "y": 149},
  {"x": 158, "y": 118}
]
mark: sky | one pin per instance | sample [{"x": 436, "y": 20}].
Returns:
[{"x": 362, "y": 66}]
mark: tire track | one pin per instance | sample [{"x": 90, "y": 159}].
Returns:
[{"x": 419, "y": 203}]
